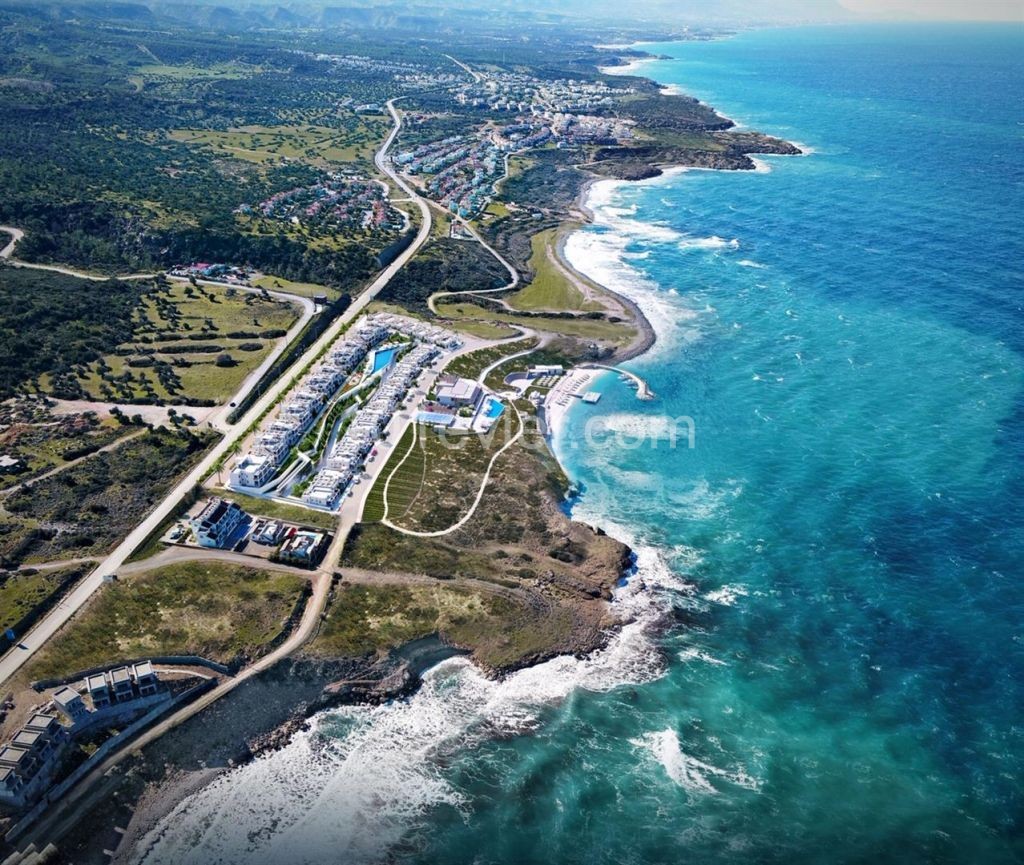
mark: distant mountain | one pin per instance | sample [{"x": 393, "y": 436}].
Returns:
[{"x": 669, "y": 15}]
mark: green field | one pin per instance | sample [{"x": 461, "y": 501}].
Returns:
[
  {"x": 372, "y": 618},
  {"x": 550, "y": 288},
  {"x": 220, "y": 611},
  {"x": 472, "y": 364},
  {"x": 166, "y": 72},
  {"x": 276, "y": 510},
  {"x": 373, "y": 509},
  {"x": 484, "y": 329},
  {"x": 583, "y": 328},
  {"x": 438, "y": 478},
  {"x": 267, "y": 145},
  {"x": 169, "y": 357}
]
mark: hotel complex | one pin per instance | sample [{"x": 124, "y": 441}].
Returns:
[{"x": 256, "y": 470}]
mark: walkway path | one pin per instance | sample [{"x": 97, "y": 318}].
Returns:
[
  {"x": 479, "y": 495},
  {"x": 16, "y": 235},
  {"x": 64, "y": 466},
  {"x": 643, "y": 390}
]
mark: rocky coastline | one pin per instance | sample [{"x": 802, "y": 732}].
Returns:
[{"x": 249, "y": 723}]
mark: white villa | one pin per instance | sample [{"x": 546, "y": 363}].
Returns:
[
  {"x": 215, "y": 523},
  {"x": 460, "y": 392},
  {"x": 253, "y": 470}
]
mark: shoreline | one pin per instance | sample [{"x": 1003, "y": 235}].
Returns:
[
  {"x": 156, "y": 804},
  {"x": 646, "y": 335}
]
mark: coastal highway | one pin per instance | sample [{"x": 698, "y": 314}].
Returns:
[{"x": 15, "y": 657}]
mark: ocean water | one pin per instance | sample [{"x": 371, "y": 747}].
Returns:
[{"x": 826, "y": 663}]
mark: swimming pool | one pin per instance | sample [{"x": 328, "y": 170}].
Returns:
[
  {"x": 494, "y": 408},
  {"x": 383, "y": 357}
]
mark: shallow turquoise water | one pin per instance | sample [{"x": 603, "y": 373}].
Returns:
[
  {"x": 382, "y": 357},
  {"x": 494, "y": 408},
  {"x": 827, "y": 664}
]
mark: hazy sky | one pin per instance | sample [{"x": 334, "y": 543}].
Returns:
[{"x": 994, "y": 10}]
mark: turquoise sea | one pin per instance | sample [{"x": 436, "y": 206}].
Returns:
[{"x": 827, "y": 662}]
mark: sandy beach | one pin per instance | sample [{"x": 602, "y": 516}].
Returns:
[{"x": 564, "y": 395}]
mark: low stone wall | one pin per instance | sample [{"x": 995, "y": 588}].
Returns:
[
  {"x": 185, "y": 660},
  {"x": 112, "y": 744}
]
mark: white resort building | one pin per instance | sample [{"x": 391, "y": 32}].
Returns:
[
  {"x": 215, "y": 524},
  {"x": 349, "y": 453},
  {"x": 272, "y": 445}
]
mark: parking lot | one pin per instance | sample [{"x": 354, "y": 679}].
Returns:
[{"x": 254, "y": 536}]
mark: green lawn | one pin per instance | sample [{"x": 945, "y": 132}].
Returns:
[
  {"x": 220, "y": 611},
  {"x": 582, "y": 328},
  {"x": 276, "y": 510},
  {"x": 550, "y": 288},
  {"x": 373, "y": 510}
]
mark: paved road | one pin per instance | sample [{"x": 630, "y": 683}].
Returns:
[
  {"x": 13, "y": 660},
  {"x": 513, "y": 273},
  {"x": 476, "y": 75}
]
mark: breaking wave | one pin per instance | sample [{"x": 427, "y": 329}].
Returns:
[
  {"x": 713, "y": 242},
  {"x": 362, "y": 778},
  {"x": 693, "y": 775}
]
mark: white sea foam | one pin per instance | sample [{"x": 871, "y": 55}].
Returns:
[
  {"x": 630, "y": 68},
  {"x": 727, "y": 596},
  {"x": 603, "y": 258},
  {"x": 693, "y": 775},
  {"x": 760, "y": 166},
  {"x": 356, "y": 784},
  {"x": 692, "y": 653},
  {"x": 636, "y": 427},
  {"x": 805, "y": 149},
  {"x": 713, "y": 242},
  {"x": 746, "y": 262}
]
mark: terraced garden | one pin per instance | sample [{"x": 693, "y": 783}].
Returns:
[{"x": 190, "y": 344}]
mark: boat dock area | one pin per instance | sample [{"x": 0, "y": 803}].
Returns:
[{"x": 643, "y": 391}]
